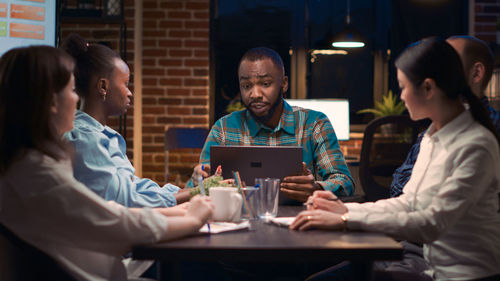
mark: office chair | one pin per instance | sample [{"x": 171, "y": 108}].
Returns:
[
  {"x": 22, "y": 262},
  {"x": 386, "y": 143},
  {"x": 180, "y": 137}
]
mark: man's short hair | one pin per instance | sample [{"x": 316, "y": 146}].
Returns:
[
  {"x": 261, "y": 53},
  {"x": 476, "y": 50}
]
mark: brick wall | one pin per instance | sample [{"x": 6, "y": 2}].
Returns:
[
  {"x": 175, "y": 74},
  {"x": 487, "y": 14}
]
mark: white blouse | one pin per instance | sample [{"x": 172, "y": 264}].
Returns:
[
  {"x": 43, "y": 204},
  {"x": 450, "y": 202}
]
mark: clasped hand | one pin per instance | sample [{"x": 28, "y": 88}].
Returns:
[{"x": 324, "y": 211}]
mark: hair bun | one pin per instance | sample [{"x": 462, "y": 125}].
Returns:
[{"x": 75, "y": 45}]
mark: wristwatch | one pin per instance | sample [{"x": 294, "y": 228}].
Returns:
[{"x": 344, "y": 219}]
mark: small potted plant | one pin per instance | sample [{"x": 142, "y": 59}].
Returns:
[{"x": 389, "y": 106}]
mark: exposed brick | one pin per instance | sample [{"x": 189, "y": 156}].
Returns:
[
  {"x": 200, "y": 92},
  {"x": 196, "y": 24},
  {"x": 196, "y": 62},
  {"x": 170, "y": 43},
  {"x": 200, "y": 72},
  {"x": 491, "y": 9},
  {"x": 196, "y": 43},
  {"x": 159, "y": 158},
  {"x": 150, "y": 4},
  {"x": 171, "y": 24},
  {"x": 179, "y": 110},
  {"x": 197, "y": 5},
  {"x": 153, "y": 129},
  {"x": 154, "y": 33},
  {"x": 180, "y": 53},
  {"x": 149, "y": 43},
  {"x": 169, "y": 101},
  {"x": 172, "y": 5},
  {"x": 170, "y": 82},
  {"x": 485, "y": 28},
  {"x": 148, "y": 119},
  {"x": 170, "y": 62},
  {"x": 178, "y": 15},
  {"x": 201, "y": 53},
  {"x": 201, "y": 34},
  {"x": 155, "y": 52},
  {"x": 153, "y": 91},
  {"x": 195, "y": 101},
  {"x": 178, "y": 72},
  {"x": 201, "y": 15},
  {"x": 169, "y": 120},
  {"x": 486, "y": 1},
  {"x": 149, "y": 24},
  {"x": 149, "y": 81},
  {"x": 195, "y": 82},
  {"x": 200, "y": 111},
  {"x": 195, "y": 120},
  {"x": 153, "y": 71},
  {"x": 178, "y": 92},
  {"x": 179, "y": 33},
  {"x": 147, "y": 157},
  {"x": 153, "y": 14},
  {"x": 153, "y": 110}
]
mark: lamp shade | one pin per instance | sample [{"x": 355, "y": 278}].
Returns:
[{"x": 347, "y": 38}]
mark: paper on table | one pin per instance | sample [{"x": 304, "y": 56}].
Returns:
[
  {"x": 282, "y": 221},
  {"x": 218, "y": 227}
]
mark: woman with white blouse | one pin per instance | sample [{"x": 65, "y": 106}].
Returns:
[
  {"x": 450, "y": 203},
  {"x": 40, "y": 200}
]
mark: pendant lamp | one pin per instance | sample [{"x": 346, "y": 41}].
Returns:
[{"x": 348, "y": 37}]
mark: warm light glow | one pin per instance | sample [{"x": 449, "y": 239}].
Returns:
[
  {"x": 329, "y": 52},
  {"x": 348, "y": 44}
]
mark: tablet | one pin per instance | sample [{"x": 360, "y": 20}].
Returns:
[{"x": 256, "y": 161}]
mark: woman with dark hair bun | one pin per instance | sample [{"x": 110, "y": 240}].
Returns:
[
  {"x": 450, "y": 204},
  {"x": 40, "y": 200},
  {"x": 101, "y": 162}
]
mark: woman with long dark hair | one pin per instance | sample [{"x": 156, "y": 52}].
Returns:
[
  {"x": 450, "y": 203},
  {"x": 40, "y": 200}
]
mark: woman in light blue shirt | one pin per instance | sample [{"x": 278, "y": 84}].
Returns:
[{"x": 101, "y": 162}]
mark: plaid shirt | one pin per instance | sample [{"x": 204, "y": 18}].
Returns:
[
  {"x": 402, "y": 174},
  {"x": 298, "y": 126}
]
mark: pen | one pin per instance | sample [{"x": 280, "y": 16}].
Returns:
[
  {"x": 329, "y": 199},
  {"x": 202, "y": 192}
]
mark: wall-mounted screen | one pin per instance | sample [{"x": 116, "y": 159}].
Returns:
[
  {"x": 337, "y": 110},
  {"x": 27, "y": 22}
]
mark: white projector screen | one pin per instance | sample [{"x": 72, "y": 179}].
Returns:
[
  {"x": 337, "y": 110},
  {"x": 27, "y": 22}
]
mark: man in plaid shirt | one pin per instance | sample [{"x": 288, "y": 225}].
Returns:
[{"x": 269, "y": 120}]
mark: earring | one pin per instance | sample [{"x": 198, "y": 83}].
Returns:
[{"x": 103, "y": 97}]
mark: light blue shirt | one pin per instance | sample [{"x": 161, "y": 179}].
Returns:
[{"x": 101, "y": 164}]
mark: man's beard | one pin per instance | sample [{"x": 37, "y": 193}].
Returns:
[{"x": 264, "y": 119}]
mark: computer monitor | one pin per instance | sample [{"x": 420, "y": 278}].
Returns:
[
  {"x": 337, "y": 110},
  {"x": 24, "y": 23}
]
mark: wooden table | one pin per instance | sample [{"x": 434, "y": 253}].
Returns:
[{"x": 271, "y": 243}]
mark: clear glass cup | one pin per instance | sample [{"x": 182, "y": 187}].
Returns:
[{"x": 268, "y": 197}]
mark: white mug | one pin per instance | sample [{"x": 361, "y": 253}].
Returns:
[{"x": 227, "y": 202}]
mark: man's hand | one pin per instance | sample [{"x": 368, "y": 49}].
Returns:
[
  {"x": 197, "y": 171},
  {"x": 182, "y": 196},
  {"x": 300, "y": 187}
]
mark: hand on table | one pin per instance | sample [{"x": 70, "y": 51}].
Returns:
[
  {"x": 319, "y": 219},
  {"x": 326, "y": 200},
  {"x": 300, "y": 187},
  {"x": 200, "y": 208},
  {"x": 178, "y": 210}
]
